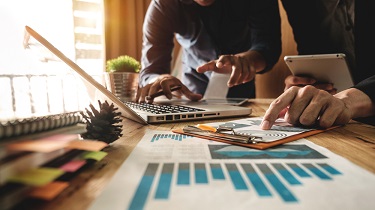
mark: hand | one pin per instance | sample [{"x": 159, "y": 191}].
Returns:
[
  {"x": 308, "y": 106},
  {"x": 303, "y": 81},
  {"x": 242, "y": 66},
  {"x": 164, "y": 82}
]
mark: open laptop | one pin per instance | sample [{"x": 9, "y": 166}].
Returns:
[{"x": 172, "y": 112}]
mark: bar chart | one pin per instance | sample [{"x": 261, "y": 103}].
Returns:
[
  {"x": 173, "y": 171},
  {"x": 280, "y": 176},
  {"x": 177, "y": 137}
]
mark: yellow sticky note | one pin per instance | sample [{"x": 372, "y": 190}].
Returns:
[
  {"x": 37, "y": 176},
  {"x": 94, "y": 155}
]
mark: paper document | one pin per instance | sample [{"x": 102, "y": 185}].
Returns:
[
  {"x": 174, "y": 171},
  {"x": 217, "y": 86}
]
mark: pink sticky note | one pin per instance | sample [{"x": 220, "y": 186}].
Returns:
[
  {"x": 62, "y": 137},
  {"x": 73, "y": 165}
]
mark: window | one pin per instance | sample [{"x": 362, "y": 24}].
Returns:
[{"x": 30, "y": 86}]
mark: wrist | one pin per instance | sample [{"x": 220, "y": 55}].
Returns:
[
  {"x": 255, "y": 59},
  {"x": 358, "y": 103}
]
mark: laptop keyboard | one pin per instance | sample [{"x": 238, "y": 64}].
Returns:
[{"x": 161, "y": 108}]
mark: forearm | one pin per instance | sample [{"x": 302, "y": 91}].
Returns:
[
  {"x": 359, "y": 104},
  {"x": 266, "y": 32}
]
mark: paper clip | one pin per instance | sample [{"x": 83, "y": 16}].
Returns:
[{"x": 222, "y": 133}]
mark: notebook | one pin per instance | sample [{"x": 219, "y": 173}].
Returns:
[{"x": 144, "y": 113}]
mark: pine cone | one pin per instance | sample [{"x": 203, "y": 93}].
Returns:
[{"x": 102, "y": 125}]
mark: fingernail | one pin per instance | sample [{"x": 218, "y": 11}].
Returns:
[
  {"x": 219, "y": 64},
  {"x": 265, "y": 125}
]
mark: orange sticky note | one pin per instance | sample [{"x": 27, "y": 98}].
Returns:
[
  {"x": 88, "y": 145},
  {"x": 37, "y": 146},
  {"x": 49, "y": 191}
]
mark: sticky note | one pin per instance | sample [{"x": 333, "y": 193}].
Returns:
[
  {"x": 94, "y": 155},
  {"x": 89, "y": 145},
  {"x": 62, "y": 137},
  {"x": 45, "y": 146},
  {"x": 48, "y": 191},
  {"x": 37, "y": 176},
  {"x": 73, "y": 165}
]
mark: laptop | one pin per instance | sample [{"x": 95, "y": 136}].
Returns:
[{"x": 145, "y": 113}]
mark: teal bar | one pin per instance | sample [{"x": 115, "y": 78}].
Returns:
[
  {"x": 255, "y": 180},
  {"x": 164, "y": 185},
  {"x": 217, "y": 171},
  {"x": 237, "y": 180},
  {"x": 286, "y": 174},
  {"x": 140, "y": 197},
  {"x": 200, "y": 173},
  {"x": 183, "y": 176}
]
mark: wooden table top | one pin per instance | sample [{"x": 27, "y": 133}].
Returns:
[{"x": 354, "y": 141}]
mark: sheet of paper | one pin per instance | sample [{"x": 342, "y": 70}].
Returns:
[
  {"x": 172, "y": 171},
  {"x": 217, "y": 86}
]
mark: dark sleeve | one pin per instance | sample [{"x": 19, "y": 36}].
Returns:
[
  {"x": 368, "y": 87},
  {"x": 265, "y": 30},
  {"x": 158, "y": 36}
]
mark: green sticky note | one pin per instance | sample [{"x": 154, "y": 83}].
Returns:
[
  {"x": 95, "y": 155},
  {"x": 37, "y": 176}
]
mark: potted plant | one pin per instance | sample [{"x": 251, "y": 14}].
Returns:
[{"x": 121, "y": 76}]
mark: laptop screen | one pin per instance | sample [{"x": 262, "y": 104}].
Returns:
[{"x": 96, "y": 90}]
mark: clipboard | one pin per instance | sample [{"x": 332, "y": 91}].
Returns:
[{"x": 240, "y": 140}]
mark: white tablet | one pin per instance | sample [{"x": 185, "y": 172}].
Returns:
[{"x": 325, "y": 68}]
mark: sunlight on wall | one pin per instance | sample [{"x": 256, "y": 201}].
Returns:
[{"x": 29, "y": 87}]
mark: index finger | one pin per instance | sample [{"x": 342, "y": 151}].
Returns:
[
  {"x": 280, "y": 103},
  {"x": 190, "y": 95},
  {"x": 210, "y": 66}
]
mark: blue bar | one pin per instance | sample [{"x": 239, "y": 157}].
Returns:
[
  {"x": 141, "y": 194},
  {"x": 284, "y": 192},
  {"x": 153, "y": 138},
  {"x": 164, "y": 185},
  {"x": 200, "y": 173},
  {"x": 286, "y": 174},
  {"x": 157, "y": 137},
  {"x": 255, "y": 179},
  {"x": 217, "y": 172},
  {"x": 169, "y": 136},
  {"x": 329, "y": 169},
  {"x": 183, "y": 176},
  {"x": 302, "y": 173},
  {"x": 235, "y": 176},
  {"x": 180, "y": 138},
  {"x": 316, "y": 171}
]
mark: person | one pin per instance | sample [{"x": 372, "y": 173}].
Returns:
[
  {"x": 312, "y": 106},
  {"x": 323, "y": 27},
  {"x": 239, "y": 38}
]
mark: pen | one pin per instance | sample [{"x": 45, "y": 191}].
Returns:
[{"x": 160, "y": 93}]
